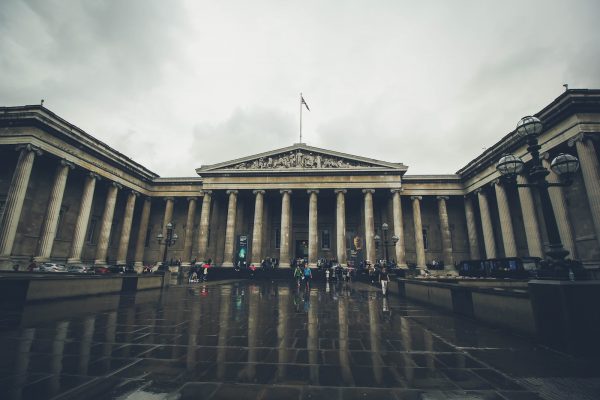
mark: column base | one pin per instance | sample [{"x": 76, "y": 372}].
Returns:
[
  {"x": 6, "y": 264},
  {"x": 40, "y": 259},
  {"x": 284, "y": 265},
  {"x": 227, "y": 264},
  {"x": 100, "y": 262},
  {"x": 121, "y": 262},
  {"x": 186, "y": 264},
  {"x": 73, "y": 261},
  {"x": 139, "y": 264}
]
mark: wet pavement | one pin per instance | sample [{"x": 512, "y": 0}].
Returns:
[{"x": 272, "y": 340}]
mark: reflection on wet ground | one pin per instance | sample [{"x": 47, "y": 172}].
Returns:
[{"x": 270, "y": 340}]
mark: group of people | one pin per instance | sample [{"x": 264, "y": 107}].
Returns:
[{"x": 199, "y": 272}]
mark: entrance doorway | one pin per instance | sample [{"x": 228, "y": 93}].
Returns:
[{"x": 301, "y": 249}]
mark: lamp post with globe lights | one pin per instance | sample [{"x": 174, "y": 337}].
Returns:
[
  {"x": 564, "y": 165},
  {"x": 384, "y": 228},
  {"x": 168, "y": 241}
]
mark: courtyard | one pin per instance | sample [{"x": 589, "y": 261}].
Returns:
[{"x": 245, "y": 339}]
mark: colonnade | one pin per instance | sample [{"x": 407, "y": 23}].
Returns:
[{"x": 476, "y": 202}]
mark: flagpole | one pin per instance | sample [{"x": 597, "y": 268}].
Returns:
[{"x": 300, "y": 117}]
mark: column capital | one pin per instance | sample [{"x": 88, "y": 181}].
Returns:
[
  {"x": 148, "y": 199},
  {"x": 29, "y": 147},
  {"x": 416, "y": 198},
  {"x": 442, "y": 197},
  {"x": 336, "y": 191},
  {"x": 496, "y": 182},
  {"x": 94, "y": 175},
  {"x": 190, "y": 198},
  {"x": 117, "y": 185},
  {"x": 231, "y": 191},
  {"x": 258, "y": 191},
  {"x": 169, "y": 198},
  {"x": 397, "y": 190},
  {"x": 479, "y": 190},
  {"x": 315, "y": 191},
  {"x": 67, "y": 163},
  {"x": 206, "y": 192},
  {"x": 582, "y": 137},
  {"x": 365, "y": 191},
  {"x": 288, "y": 191},
  {"x": 135, "y": 193}
]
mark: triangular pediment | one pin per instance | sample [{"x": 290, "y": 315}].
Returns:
[{"x": 300, "y": 157}]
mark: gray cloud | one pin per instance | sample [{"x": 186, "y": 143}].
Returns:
[{"x": 182, "y": 83}]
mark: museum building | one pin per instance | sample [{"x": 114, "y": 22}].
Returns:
[{"x": 69, "y": 198}]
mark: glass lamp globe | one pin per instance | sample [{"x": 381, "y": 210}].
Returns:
[
  {"x": 384, "y": 226},
  {"x": 529, "y": 126},
  {"x": 395, "y": 239},
  {"x": 510, "y": 165},
  {"x": 377, "y": 237},
  {"x": 169, "y": 226},
  {"x": 565, "y": 164},
  {"x": 175, "y": 237}
]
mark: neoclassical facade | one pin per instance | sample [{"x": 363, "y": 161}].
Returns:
[{"x": 67, "y": 197}]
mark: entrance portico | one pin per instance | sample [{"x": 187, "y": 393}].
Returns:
[{"x": 297, "y": 196}]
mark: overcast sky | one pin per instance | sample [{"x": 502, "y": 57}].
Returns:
[{"x": 178, "y": 84}]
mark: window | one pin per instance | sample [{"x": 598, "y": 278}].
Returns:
[
  {"x": 113, "y": 232},
  {"x": 148, "y": 236},
  {"x": 425, "y": 240},
  {"x": 277, "y": 238},
  {"x": 325, "y": 239},
  {"x": 2, "y": 208},
  {"x": 91, "y": 234},
  {"x": 59, "y": 222}
]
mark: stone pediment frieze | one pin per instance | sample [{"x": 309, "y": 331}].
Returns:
[{"x": 300, "y": 157}]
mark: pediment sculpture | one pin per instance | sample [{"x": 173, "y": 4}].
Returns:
[{"x": 299, "y": 159}]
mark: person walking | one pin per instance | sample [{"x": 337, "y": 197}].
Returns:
[
  {"x": 384, "y": 279},
  {"x": 307, "y": 275},
  {"x": 298, "y": 274}
]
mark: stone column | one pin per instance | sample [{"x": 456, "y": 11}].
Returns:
[
  {"x": 168, "y": 217},
  {"x": 400, "y": 246},
  {"x": 419, "y": 244},
  {"x": 230, "y": 230},
  {"x": 486, "y": 224},
  {"x": 471, "y": 229},
  {"x": 313, "y": 234},
  {"x": 257, "y": 228},
  {"x": 83, "y": 218},
  {"x": 54, "y": 202},
  {"x": 126, "y": 229},
  {"x": 530, "y": 220},
  {"x": 590, "y": 170},
  {"x": 106, "y": 224},
  {"x": 559, "y": 205},
  {"x": 508, "y": 234},
  {"x": 142, "y": 233},
  {"x": 340, "y": 211},
  {"x": 286, "y": 217},
  {"x": 204, "y": 225},
  {"x": 189, "y": 232},
  {"x": 14, "y": 202},
  {"x": 369, "y": 226},
  {"x": 446, "y": 234}
]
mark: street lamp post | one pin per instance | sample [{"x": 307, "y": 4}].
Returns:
[
  {"x": 168, "y": 241},
  {"x": 377, "y": 239},
  {"x": 384, "y": 228},
  {"x": 564, "y": 165}
]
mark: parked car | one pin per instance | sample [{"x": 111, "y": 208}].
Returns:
[
  {"x": 80, "y": 269},
  {"x": 99, "y": 270},
  {"x": 52, "y": 267}
]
